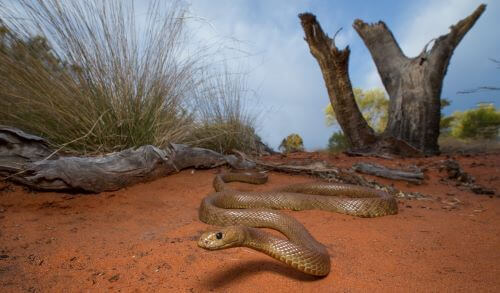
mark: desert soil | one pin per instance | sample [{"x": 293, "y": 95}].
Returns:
[{"x": 143, "y": 238}]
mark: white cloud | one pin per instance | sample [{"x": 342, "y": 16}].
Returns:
[
  {"x": 432, "y": 20},
  {"x": 288, "y": 79},
  {"x": 284, "y": 73}
]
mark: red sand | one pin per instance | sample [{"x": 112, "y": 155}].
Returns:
[{"x": 143, "y": 239}]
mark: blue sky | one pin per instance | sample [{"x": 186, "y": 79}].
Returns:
[
  {"x": 289, "y": 88},
  {"x": 264, "y": 39}
]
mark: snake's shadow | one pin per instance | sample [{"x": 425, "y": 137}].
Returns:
[{"x": 242, "y": 270}]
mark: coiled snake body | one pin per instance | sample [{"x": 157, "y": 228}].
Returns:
[{"x": 241, "y": 212}]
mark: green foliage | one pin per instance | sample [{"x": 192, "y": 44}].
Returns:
[
  {"x": 292, "y": 143},
  {"x": 373, "y": 104},
  {"x": 337, "y": 142},
  {"x": 483, "y": 122},
  {"x": 101, "y": 85},
  {"x": 445, "y": 125}
]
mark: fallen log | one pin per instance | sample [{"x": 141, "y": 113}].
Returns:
[
  {"x": 28, "y": 159},
  {"x": 331, "y": 174},
  {"x": 18, "y": 147},
  {"x": 415, "y": 176}
]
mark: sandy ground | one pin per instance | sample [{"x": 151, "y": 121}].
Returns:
[{"x": 143, "y": 239}]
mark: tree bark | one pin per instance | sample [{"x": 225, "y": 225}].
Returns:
[
  {"x": 414, "y": 85},
  {"x": 334, "y": 65}
]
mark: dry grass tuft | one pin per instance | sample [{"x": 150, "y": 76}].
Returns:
[{"x": 82, "y": 75}]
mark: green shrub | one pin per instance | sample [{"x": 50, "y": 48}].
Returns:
[
  {"x": 446, "y": 121},
  {"x": 480, "y": 123},
  {"x": 337, "y": 142},
  {"x": 373, "y": 104},
  {"x": 445, "y": 125},
  {"x": 292, "y": 143}
]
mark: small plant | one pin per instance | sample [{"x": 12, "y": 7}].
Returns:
[
  {"x": 292, "y": 143},
  {"x": 337, "y": 142},
  {"x": 480, "y": 123}
]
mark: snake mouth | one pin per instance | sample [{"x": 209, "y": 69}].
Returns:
[
  {"x": 215, "y": 240},
  {"x": 209, "y": 244}
]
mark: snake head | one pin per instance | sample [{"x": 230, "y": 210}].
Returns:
[{"x": 222, "y": 238}]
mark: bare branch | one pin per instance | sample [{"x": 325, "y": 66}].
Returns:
[
  {"x": 483, "y": 88},
  {"x": 496, "y": 61},
  {"x": 479, "y": 89},
  {"x": 336, "y": 33},
  {"x": 445, "y": 45}
]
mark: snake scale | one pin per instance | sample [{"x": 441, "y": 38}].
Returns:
[{"x": 240, "y": 213}]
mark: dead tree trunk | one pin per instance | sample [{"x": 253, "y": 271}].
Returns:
[
  {"x": 334, "y": 65},
  {"x": 414, "y": 85}
]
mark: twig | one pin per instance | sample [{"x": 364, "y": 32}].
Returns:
[
  {"x": 76, "y": 139},
  {"x": 481, "y": 88},
  {"x": 336, "y": 33}
]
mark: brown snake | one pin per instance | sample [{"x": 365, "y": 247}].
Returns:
[{"x": 240, "y": 211}]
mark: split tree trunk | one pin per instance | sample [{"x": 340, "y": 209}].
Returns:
[
  {"x": 414, "y": 85},
  {"x": 334, "y": 64}
]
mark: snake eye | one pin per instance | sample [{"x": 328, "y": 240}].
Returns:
[{"x": 218, "y": 235}]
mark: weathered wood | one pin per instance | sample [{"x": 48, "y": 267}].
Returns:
[
  {"x": 18, "y": 147},
  {"x": 414, "y": 85},
  {"x": 331, "y": 174},
  {"x": 334, "y": 65},
  {"x": 462, "y": 178},
  {"x": 413, "y": 176},
  {"x": 318, "y": 169},
  {"x": 28, "y": 160},
  {"x": 96, "y": 174},
  {"x": 24, "y": 158}
]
